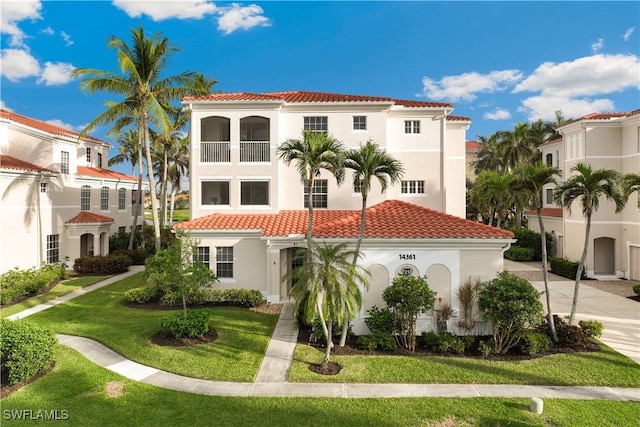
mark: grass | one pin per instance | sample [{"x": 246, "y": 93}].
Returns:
[
  {"x": 62, "y": 288},
  {"x": 79, "y": 387},
  {"x": 604, "y": 368},
  {"x": 236, "y": 355},
  {"x": 179, "y": 215}
]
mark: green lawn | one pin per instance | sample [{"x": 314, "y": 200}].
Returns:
[
  {"x": 179, "y": 215},
  {"x": 79, "y": 387},
  {"x": 62, "y": 288},
  {"x": 101, "y": 315}
]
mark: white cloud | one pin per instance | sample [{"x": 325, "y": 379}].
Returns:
[
  {"x": 67, "y": 38},
  {"x": 544, "y": 107},
  {"x": 57, "y": 73},
  {"x": 466, "y": 86},
  {"x": 498, "y": 114},
  {"x": 161, "y": 10},
  {"x": 4, "y": 106},
  {"x": 241, "y": 17},
  {"x": 597, "y": 46},
  {"x": 16, "y": 64},
  {"x": 12, "y": 12},
  {"x": 627, "y": 34},
  {"x": 48, "y": 31}
]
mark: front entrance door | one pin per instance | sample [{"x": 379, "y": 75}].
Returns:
[{"x": 604, "y": 255}]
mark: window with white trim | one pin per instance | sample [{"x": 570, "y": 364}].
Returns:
[
  {"x": 357, "y": 188},
  {"x": 412, "y": 187},
  {"x": 359, "y": 122},
  {"x": 549, "y": 195},
  {"x": 319, "y": 195},
  {"x": 104, "y": 199},
  {"x": 89, "y": 155},
  {"x": 134, "y": 197},
  {"x": 549, "y": 159},
  {"x": 64, "y": 162},
  {"x": 412, "y": 126},
  {"x": 85, "y": 198},
  {"x": 254, "y": 193},
  {"x": 100, "y": 160},
  {"x": 122, "y": 199},
  {"x": 315, "y": 124},
  {"x": 224, "y": 262},
  {"x": 214, "y": 193},
  {"x": 43, "y": 187},
  {"x": 202, "y": 254},
  {"x": 53, "y": 248}
]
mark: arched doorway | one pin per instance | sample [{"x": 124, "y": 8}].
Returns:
[
  {"x": 86, "y": 245},
  {"x": 604, "y": 256},
  {"x": 439, "y": 279}
]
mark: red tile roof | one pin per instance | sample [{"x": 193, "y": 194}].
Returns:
[
  {"x": 472, "y": 145},
  {"x": 458, "y": 119},
  {"x": 104, "y": 174},
  {"x": 553, "y": 212},
  {"x": 8, "y": 162},
  {"x": 602, "y": 116},
  {"x": 312, "y": 97},
  {"x": 389, "y": 219},
  {"x": 551, "y": 142},
  {"x": 44, "y": 126},
  {"x": 86, "y": 217}
]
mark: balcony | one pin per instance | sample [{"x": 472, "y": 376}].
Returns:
[
  {"x": 215, "y": 152},
  {"x": 255, "y": 151}
]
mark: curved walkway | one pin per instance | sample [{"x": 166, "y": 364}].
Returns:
[{"x": 272, "y": 378}]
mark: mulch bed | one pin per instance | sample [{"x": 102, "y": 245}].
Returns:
[
  {"x": 6, "y": 389},
  {"x": 168, "y": 341}
]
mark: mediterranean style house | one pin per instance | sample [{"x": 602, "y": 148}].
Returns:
[
  {"x": 249, "y": 213},
  {"x": 603, "y": 140},
  {"x": 58, "y": 201}
]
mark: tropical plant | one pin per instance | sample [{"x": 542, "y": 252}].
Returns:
[
  {"x": 492, "y": 192},
  {"x": 487, "y": 157},
  {"x": 467, "y": 294},
  {"x": 515, "y": 146},
  {"x": 147, "y": 95},
  {"x": 631, "y": 183},
  {"x": 587, "y": 186},
  {"x": 531, "y": 180},
  {"x": 329, "y": 285}
]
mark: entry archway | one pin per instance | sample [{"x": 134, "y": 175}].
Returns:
[
  {"x": 439, "y": 280},
  {"x": 604, "y": 255}
]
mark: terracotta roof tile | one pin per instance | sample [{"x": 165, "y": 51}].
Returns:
[
  {"x": 458, "y": 119},
  {"x": 472, "y": 145},
  {"x": 8, "y": 162},
  {"x": 86, "y": 217},
  {"x": 553, "y": 212},
  {"x": 104, "y": 174},
  {"x": 389, "y": 219},
  {"x": 602, "y": 116},
  {"x": 44, "y": 126},
  {"x": 551, "y": 142}
]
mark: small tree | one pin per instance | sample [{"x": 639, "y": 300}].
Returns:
[
  {"x": 511, "y": 304},
  {"x": 407, "y": 297}
]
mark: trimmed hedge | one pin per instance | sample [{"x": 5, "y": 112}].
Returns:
[
  {"x": 25, "y": 349},
  {"x": 136, "y": 256},
  {"x": 376, "y": 341},
  {"x": 531, "y": 239},
  {"x": 16, "y": 283},
  {"x": 518, "y": 253},
  {"x": 240, "y": 297},
  {"x": 195, "y": 325},
  {"x": 110, "y": 264},
  {"x": 565, "y": 268},
  {"x": 533, "y": 342}
]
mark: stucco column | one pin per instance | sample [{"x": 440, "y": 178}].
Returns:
[{"x": 96, "y": 244}]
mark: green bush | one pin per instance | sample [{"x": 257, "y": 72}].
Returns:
[
  {"x": 569, "y": 336},
  {"x": 534, "y": 342},
  {"x": 141, "y": 295},
  {"x": 25, "y": 349},
  {"x": 592, "y": 328},
  {"x": 136, "y": 256},
  {"x": 485, "y": 347},
  {"x": 241, "y": 297},
  {"x": 195, "y": 325},
  {"x": 376, "y": 341},
  {"x": 380, "y": 320},
  {"x": 518, "y": 253},
  {"x": 445, "y": 342},
  {"x": 530, "y": 239},
  {"x": 636, "y": 289},
  {"x": 110, "y": 264},
  {"x": 120, "y": 240},
  {"x": 16, "y": 283},
  {"x": 565, "y": 268}
]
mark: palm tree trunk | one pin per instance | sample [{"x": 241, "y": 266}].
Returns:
[
  {"x": 310, "y": 220},
  {"x": 574, "y": 304},
  {"x": 173, "y": 203},
  {"x": 545, "y": 275},
  {"x": 152, "y": 186},
  {"x": 163, "y": 190},
  {"x": 137, "y": 210},
  {"x": 326, "y": 329}
]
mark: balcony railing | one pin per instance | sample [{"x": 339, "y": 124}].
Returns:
[
  {"x": 215, "y": 152},
  {"x": 255, "y": 151}
]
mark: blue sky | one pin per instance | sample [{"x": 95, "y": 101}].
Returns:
[{"x": 498, "y": 62}]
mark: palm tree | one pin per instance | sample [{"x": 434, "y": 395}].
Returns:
[
  {"x": 588, "y": 186},
  {"x": 178, "y": 167},
  {"x": 146, "y": 95},
  {"x": 515, "y": 146},
  {"x": 492, "y": 191},
  {"x": 531, "y": 180},
  {"x": 631, "y": 182},
  {"x": 328, "y": 284},
  {"x": 487, "y": 157},
  {"x": 314, "y": 152},
  {"x": 368, "y": 162}
]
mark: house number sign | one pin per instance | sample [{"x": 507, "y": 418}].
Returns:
[{"x": 407, "y": 256}]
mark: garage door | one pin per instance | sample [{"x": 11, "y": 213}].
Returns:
[{"x": 635, "y": 263}]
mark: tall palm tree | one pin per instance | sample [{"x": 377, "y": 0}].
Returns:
[
  {"x": 515, "y": 146},
  {"x": 178, "y": 167},
  {"x": 368, "y": 162},
  {"x": 588, "y": 186},
  {"x": 311, "y": 154},
  {"x": 631, "y": 183},
  {"x": 493, "y": 191},
  {"x": 488, "y": 157},
  {"x": 531, "y": 180},
  {"x": 146, "y": 94},
  {"x": 328, "y": 284}
]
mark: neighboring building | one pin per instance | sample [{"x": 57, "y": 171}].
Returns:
[
  {"x": 58, "y": 200},
  {"x": 248, "y": 209},
  {"x": 603, "y": 140},
  {"x": 471, "y": 155}
]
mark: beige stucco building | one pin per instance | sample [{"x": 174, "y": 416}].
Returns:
[
  {"x": 603, "y": 140},
  {"x": 58, "y": 200},
  {"x": 248, "y": 208}
]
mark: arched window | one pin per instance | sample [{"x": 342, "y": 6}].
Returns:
[{"x": 550, "y": 160}]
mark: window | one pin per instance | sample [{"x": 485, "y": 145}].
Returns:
[
  {"x": 319, "y": 195},
  {"x": 122, "y": 199},
  {"x": 412, "y": 187},
  {"x": 122, "y": 230},
  {"x": 64, "y": 162},
  {"x": 85, "y": 198},
  {"x": 202, "y": 254},
  {"x": 412, "y": 126},
  {"x": 316, "y": 124},
  {"x": 549, "y": 196},
  {"x": 134, "y": 197},
  {"x": 104, "y": 199},
  {"x": 88, "y": 155},
  {"x": 359, "y": 122},
  {"x": 53, "y": 248},
  {"x": 224, "y": 262},
  {"x": 557, "y": 158},
  {"x": 100, "y": 160},
  {"x": 43, "y": 187},
  {"x": 215, "y": 193},
  {"x": 357, "y": 188},
  {"x": 254, "y": 193},
  {"x": 550, "y": 160}
]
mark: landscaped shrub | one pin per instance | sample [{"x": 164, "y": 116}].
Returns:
[
  {"x": 518, "y": 253},
  {"x": 110, "y": 264},
  {"x": 636, "y": 289},
  {"x": 141, "y": 295},
  {"x": 376, "y": 341},
  {"x": 25, "y": 349},
  {"x": 593, "y": 328},
  {"x": 240, "y": 297},
  {"x": 485, "y": 347},
  {"x": 445, "y": 342},
  {"x": 194, "y": 325},
  {"x": 136, "y": 256},
  {"x": 379, "y": 321},
  {"x": 16, "y": 283},
  {"x": 533, "y": 342},
  {"x": 569, "y": 336},
  {"x": 530, "y": 239},
  {"x": 120, "y": 240},
  {"x": 565, "y": 268}
]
